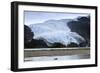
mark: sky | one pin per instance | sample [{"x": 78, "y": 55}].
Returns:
[{"x": 33, "y": 17}]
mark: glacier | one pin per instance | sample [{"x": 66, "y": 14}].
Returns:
[{"x": 55, "y": 31}]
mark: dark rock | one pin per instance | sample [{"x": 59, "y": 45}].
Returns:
[
  {"x": 28, "y": 34},
  {"x": 83, "y": 44},
  {"x": 72, "y": 45},
  {"x": 29, "y": 42},
  {"x": 36, "y": 44},
  {"x": 57, "y": 45}
]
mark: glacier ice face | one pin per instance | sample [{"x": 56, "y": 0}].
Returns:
[
  {"x": 60, "y": 36},
  {"x": 52, "y": 31}
]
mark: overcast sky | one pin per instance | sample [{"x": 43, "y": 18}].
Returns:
[{"x": 32, "y": 17}]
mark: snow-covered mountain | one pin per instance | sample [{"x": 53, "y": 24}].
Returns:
[
  {"x": 52, "y": 31},
  {"x": 50, "y": 25}
]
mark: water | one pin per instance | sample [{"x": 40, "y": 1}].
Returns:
[{"x": 55, "y": 58}]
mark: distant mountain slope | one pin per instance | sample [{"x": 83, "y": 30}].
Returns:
[{"x": 82, "y": 27}]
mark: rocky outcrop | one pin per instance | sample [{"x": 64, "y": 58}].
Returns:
[
  {"x": 28, "y": 34},
  {"x": 29, "y": 42},
  {"x": 82, "y": 27}
]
